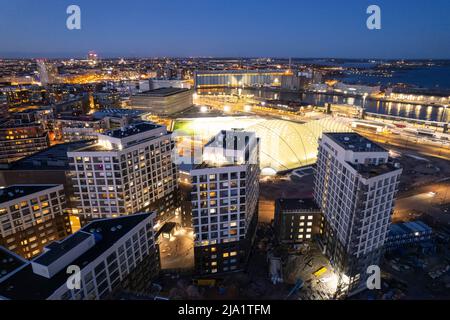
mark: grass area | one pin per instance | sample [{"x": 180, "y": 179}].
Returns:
[{"x": 184, "y": 125}]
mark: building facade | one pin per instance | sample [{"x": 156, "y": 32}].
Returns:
[
  {"x": 297, "y": 220},
  {"x": 113, "y": 256},
  {"x": 31, "y": 216},
  {"x": 402, "y": 235},
  {"x": 355, "y": 185},
  {"x": 128, "y": 170},
  {"x": 163, "y": 101},
  {"x": 238, "y": 78},
  {"x": 220, "y": 202},
  {"x": 20, "y": 140}
]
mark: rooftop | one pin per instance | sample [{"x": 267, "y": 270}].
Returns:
[
  {"x": 369, "y": 171},
  {"x": 58, "y": 249},
  {"x": 19, "y": 191},
  {"x": 9, "y": 262},
  {"x": 54, "y": 157},
  {"x": 408, "y": 228},
  {"x": 26, "y": 285},
  {"x": 355, "y": 142},
  {"x": 163, "y": 92},
  {"x": 117, "y": 113},
  {"x": 297, "y": 204},
  {"x": 132, "y": 129}
]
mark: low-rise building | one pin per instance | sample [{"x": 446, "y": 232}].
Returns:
[
  {"x": 296, "y": 220},
  {"x": 163, "y": 101},
  {"x": 401, "y": 235}
]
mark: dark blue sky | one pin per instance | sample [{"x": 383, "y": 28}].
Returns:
[{"x": 301, "y": 28}]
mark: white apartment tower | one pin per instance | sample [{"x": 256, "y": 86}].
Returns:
[
  {"x": 355, "y": 186},
  {"x": 220, "y": 202},
  {"x": 129, "y": 170}
]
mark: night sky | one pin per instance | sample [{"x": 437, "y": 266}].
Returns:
[{"x": 226, "y": 28}]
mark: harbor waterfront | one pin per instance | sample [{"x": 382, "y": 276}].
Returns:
[{"x": 373, "y": 105}]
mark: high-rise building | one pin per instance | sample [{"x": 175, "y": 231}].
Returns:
[
  {"x": 32, "y": 216},
  {"x": 112, "y": 256},
  {"x": 220, "y": 202},
  {"x": 355, "y": 186},
  {"x": 21, "y": 140},
  {"x": 128, "y": 170}
]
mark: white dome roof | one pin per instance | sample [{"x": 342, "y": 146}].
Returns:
[{"x": 287, "y": 145}]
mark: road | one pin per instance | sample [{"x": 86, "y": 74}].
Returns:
[{"x": 417, "y": 144}]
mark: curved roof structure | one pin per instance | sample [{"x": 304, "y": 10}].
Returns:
[
  {"x": 287, "y": 145},
  {"x": 284, "y": 144}
]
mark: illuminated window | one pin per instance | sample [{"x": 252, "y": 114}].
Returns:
[{"x": 226, "y": 255}]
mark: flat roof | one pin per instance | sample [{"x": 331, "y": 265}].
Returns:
[
  {"x": 163, "y": 92},
  {"x": 297, "y": 204},
  {"x": 18, "y": 191},
  {"x": 26, "y": 285},
  {"x": 355, "y": 142},
  {"x": 397, "y": 229},
  {"x": 369, "y": 170},
  {"x": 117, "y": 113},
  {"x": 42, "y": 160},
  {"x": 9, "y": 262},
  {"x": 132, "y": 129},
  {"x": 58, "y": 249}
]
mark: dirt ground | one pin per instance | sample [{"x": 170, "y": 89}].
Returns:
[{"x": 281, "y": 187}]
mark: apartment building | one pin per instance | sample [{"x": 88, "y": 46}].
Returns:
[
  {"x": 20, "y": 140},
  {"x": 32, "y": 216},
  {"x": 297, "y": 220},
  {"x": 111, "y": 255},
  {"x": 128, "y": 170},
  {"x": 220, "y": 202},
  {"x": 355, "y": 186}
]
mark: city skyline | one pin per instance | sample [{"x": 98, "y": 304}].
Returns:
[
  {"x": 216, "y": 150},
  {"x": 214, "y": 29}
]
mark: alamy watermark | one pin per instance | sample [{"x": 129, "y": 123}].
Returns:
[
  {"x": 374, "y": 20},
  {"x": 374, "y": 280},
  {"x": 74, "y": 280},
  {"x": 73, "y": 21}
]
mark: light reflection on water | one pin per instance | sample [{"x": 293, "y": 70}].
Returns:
[{"x": 425, "y": 112}]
